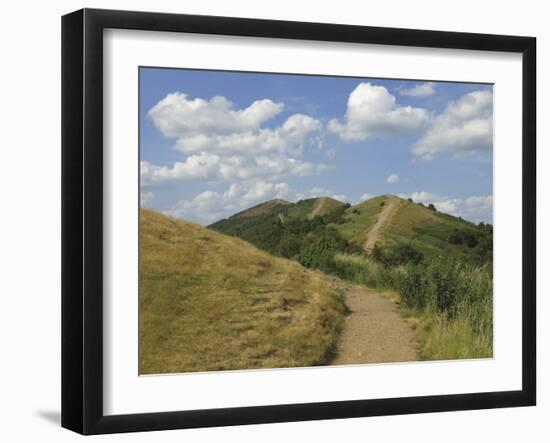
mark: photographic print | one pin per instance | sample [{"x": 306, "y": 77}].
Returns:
[{"x": 299, "y": 220}]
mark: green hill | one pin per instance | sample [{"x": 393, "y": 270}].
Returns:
[
  {"x": 430, "y": 232},
  {"x": 213, "y": 302},
  {"x": 389, "y": 223},
  {"x": 304, "y": 209},
  {"x": 283, "y": 229},
  {"x": 263, "y": 208},
  {"x": 440, "y": 265}
]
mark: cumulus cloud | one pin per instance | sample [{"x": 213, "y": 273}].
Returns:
[
  {"x": 177, "y": 115},
  {"x": 209, "y": 206},
  {"x": 290, "y": 137},
  {"x": 420, "y": 90},
  {"x": 222, "y": 143},
  {"x": 372, "y": 111},
  {"x": 474, "y": 208},
  {"x": 145, "y": 198},
  {"x": 420, "y": 196},
  {"x": 229, "y": 169},
  {"x": 465, "y": 128},
  {"x": 196, "y": 166},
  {"x": 365, "y": 196},
  {"x": 392, "y": 179},
  {"x": 213, "y": 126}
]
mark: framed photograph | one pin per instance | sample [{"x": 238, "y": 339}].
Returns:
[{"x": 269, "y": 221}]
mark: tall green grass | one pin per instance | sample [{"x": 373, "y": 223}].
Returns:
[{"x": 452, "y": 300}]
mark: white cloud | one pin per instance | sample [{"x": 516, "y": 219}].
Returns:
[
  {"x": 209, "y": 206},
  {"x": 195, "y": 166},
  {"x": 365, "y": 196},
  {"x": 213, "y": 126},
  {"x": 420, "y": 197},
  {"x": 478, "y": 208},
  {"x": 373, "y": 111},
  {"x": 474, "y": 208},
  {"x": 340, "y": 197},
  {"x": 229, "y": 169},
  {"x": 290, "y": 137},
  {"x": 449, "y": 206},
  {"x": 145, "y": 198},
  {"x": 465, "y": 128},
  {"x": 223, "y": 144},
  {"x": 318, "y": 142},
  {"x": 420, "y": 90},
  {"x": 177, "y": 115},
  {"x": 392, "y": 179},
  {"x": 226, "y": 144}
]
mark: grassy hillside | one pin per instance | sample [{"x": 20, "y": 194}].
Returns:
[
  {"x": 289, "y": 229},
  {"x": 213, "y": 302},
  {"x": 315, "y": 207},
  {"x": 265, "y": 208},
  {"x": 279, "y": 209},
  {"x": 300, "y": 231},
  {"x": 430, "y": 232},
  {"x": 360, "y": 218},
  {"x": 440, "y": 265}
]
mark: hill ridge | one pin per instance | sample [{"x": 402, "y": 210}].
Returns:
[
  {"x": 388, "y": 221},
  {"x": 307, "y": 208}
]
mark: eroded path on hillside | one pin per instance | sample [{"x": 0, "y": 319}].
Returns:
[
  {"x": 373, "y": 332},
  {"x": 319, "y": 205},
  {"x": 385, "y": 217}
]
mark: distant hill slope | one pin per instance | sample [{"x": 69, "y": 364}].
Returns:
[
  {"x": 265, "y": 225},
  {"x": 431, "y": 232},
  {"x": 304, "y": 209},
  {"x": 263, "y": 208},
  {"x": 213, "y": 302},
  {"x": 387, "y": 221}
]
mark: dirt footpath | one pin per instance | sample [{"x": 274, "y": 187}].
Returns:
[
  {"x": 385, "y": 216},
  {"x": 374, "y": 332}
]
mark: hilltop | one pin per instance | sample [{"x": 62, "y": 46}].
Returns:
[
  {"x": 385, "y": 223},
  {"x": 429, "y": 231},
  {"x": 213, "y": 302},
  {"x": 280, "y": 228},
  {"x": 303, "y": 209},
  {"x": 263, "y": 208}
]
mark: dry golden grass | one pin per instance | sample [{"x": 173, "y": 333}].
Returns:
[
  {"x": 408, "y": 217},
  {"x": 360, "y": 219},
  {"x": 212, "y": 302},
  {"x": 425, "y": 230}
]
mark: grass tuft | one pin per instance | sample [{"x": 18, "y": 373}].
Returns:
[{"x": 450, "y": 303}]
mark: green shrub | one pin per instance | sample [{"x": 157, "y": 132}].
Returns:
[
  {"x": 465, "y": 237},
  {"x": 399, "y": 254},
  {"x": 454, "y": 300}
]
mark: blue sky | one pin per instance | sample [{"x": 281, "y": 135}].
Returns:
[{"x": 213, "y": 143}]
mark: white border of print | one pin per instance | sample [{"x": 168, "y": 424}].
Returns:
[{"x": 125, "y": 392}]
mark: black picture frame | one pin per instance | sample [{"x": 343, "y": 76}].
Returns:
[{"x": 82, "y": 219}]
